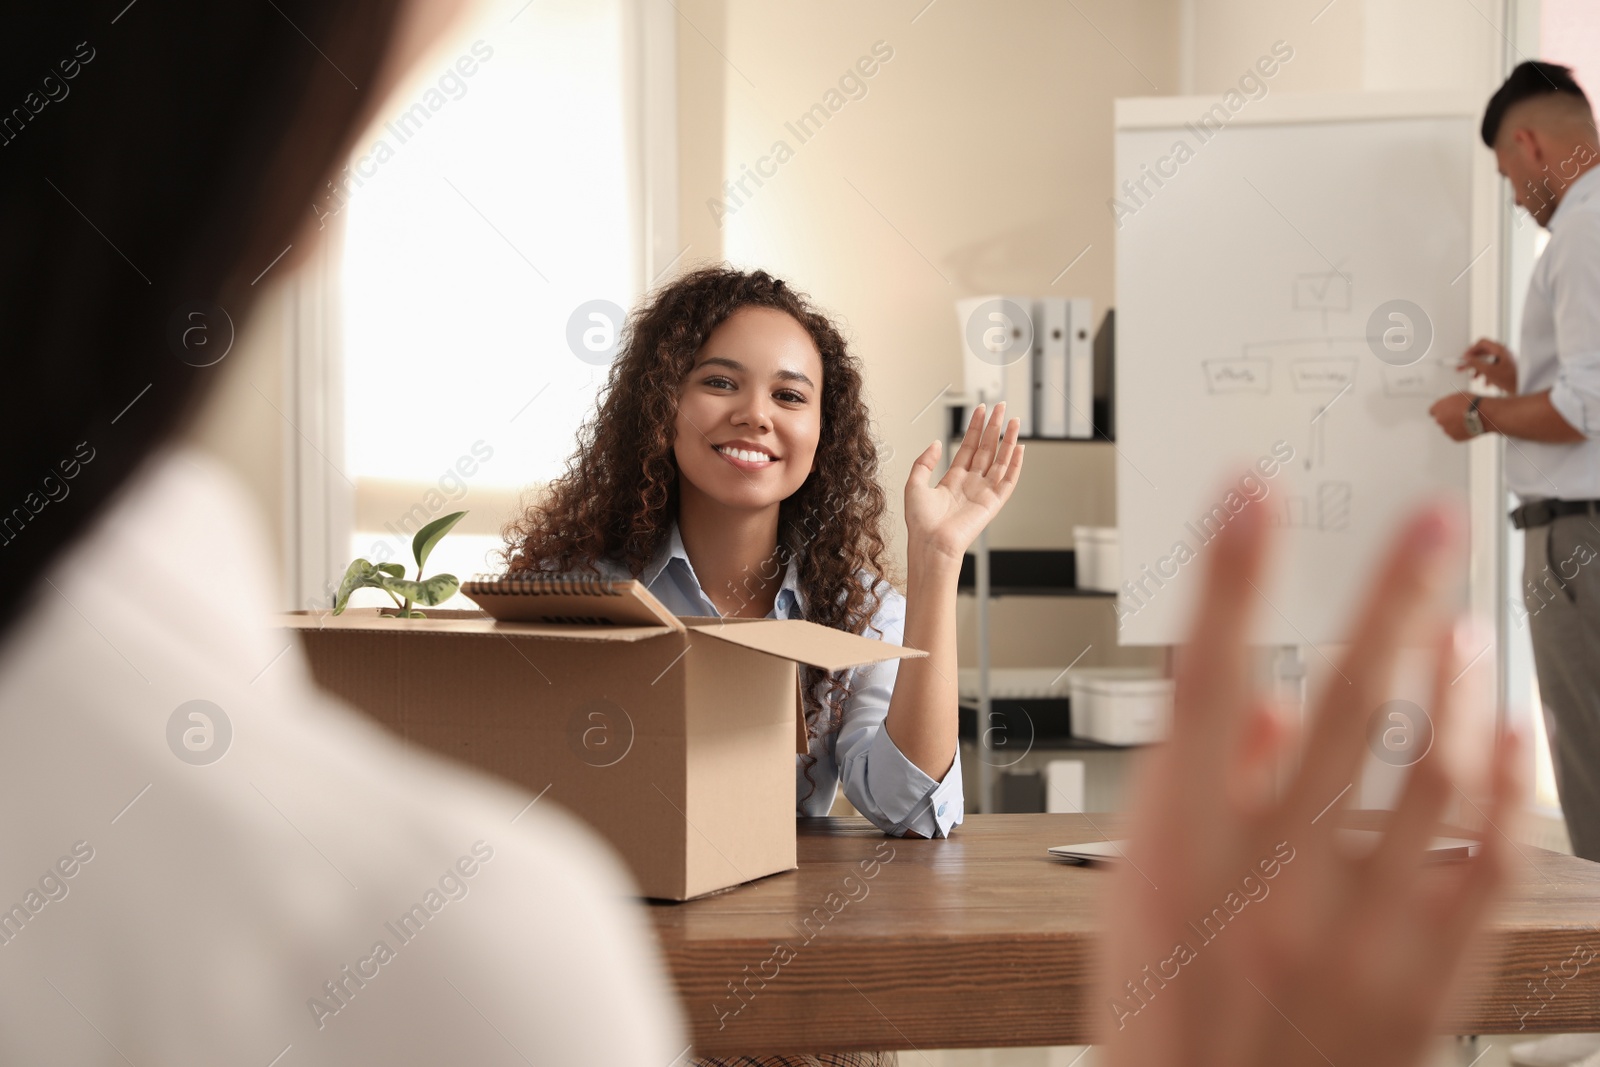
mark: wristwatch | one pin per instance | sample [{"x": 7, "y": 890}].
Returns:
[{"x": 1472, "y": 420}]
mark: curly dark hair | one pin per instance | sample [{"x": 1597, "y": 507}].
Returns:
[{"x": 618, "y": 496}]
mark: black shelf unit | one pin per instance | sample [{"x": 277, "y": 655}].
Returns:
[
  {"x": 1028, "y": 572},
  {"x": 959, "y": 413},
  {"x": 1044, "y": 724}
]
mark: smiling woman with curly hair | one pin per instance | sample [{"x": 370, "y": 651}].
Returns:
[{"x": 730, "y": 466}]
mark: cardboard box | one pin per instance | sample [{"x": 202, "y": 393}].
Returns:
[{"x": 676, "y": 741}]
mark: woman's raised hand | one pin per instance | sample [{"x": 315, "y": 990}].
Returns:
[
  {"x": 1242, "y": 930},
  {"x": 946, "y": 517}
]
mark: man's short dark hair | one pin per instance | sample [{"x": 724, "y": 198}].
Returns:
[{"x": 1531, "y": 79}]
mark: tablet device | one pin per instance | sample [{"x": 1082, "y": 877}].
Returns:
[
  {"x": 1089, "y": 852},
  {"x": 1440, "y": 849}
]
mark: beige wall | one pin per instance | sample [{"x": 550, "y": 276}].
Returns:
[
  {"x": 1372, "y": 45},
  {"x": 701, "y": 32},
  {"x": 979, "y": 160},
  {"x": 1231, "y": 34}
]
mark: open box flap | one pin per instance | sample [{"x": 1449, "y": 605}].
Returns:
[
  {"x": 465, "y": 622},
  {"x": 806, "y": 642}
]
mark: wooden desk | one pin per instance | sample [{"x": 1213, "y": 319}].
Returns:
[{"x": 983, "y": 940}]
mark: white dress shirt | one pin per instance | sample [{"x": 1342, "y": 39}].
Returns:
[
  {"x": 885, "y": 786},
  {"x": 231, "y": 911},
  {"x": 1561, "y": 351}
]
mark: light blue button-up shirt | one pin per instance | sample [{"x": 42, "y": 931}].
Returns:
[
  {"x": 1561, "y": 351},
  {"x": 885, "y": 786}
]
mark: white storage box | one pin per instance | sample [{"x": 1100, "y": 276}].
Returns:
[
  {"x": 1063, "y": 786},
  {"x": 1098, "y": 559},
  {"x": 1120, "y": 705}
]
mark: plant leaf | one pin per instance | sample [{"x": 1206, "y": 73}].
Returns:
[
  {"x": 430, "y": 593},
  {"x": 430, "y": 535},
  {"x": 393, "y": 570},
  {"x": 361, "y": 575}
]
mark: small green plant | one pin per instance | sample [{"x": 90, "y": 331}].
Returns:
[{"x": 390, "y": 577}]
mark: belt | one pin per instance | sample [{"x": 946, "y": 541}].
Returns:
[{"x": 1544, "y": 512}]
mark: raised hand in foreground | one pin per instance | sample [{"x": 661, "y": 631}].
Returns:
[{"x": 1242, "y": 930}]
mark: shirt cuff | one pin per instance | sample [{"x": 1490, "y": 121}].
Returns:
[
  {"x": 1568, "y": 403},
  {"x": 910, "y": 799}
]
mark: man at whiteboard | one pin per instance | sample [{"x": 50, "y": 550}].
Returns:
[{"x": 1542, "y": 131}]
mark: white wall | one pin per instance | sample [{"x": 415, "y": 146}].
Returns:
[{"x": 240, "y": 426}]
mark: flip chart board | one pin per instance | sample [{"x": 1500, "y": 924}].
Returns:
[{"x": 1290, "y": 301}]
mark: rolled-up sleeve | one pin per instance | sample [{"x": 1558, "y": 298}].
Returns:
[
  {"x": 1576, "y": 304},
  {"x": 895, "y": 794}
]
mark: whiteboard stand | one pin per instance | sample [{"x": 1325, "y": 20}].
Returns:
[
  {"x": 1289, "y": 693},
  {"x": 986, "y": 770}
]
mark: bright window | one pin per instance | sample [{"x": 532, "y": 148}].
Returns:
[{"x": 491, "y": 201}]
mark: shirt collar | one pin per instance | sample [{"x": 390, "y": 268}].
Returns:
[
  {"x": 670, "y": 548},
  {"x": 790, "y": 602},
  {"x": 1580, "y": 190},
  {"x": 796, "y": 600}
]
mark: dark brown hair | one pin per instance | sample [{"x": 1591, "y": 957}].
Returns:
[
  {"x": 618, "y": 497},
  {"x": 153, "y": 156}
]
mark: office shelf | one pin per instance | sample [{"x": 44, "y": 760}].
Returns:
[
  {"x": 1032, "y": 723},
  {"x": 987, "y": 575},
  {"x": 1030, "y": 438},
  {"x": 960, "y": 411},
  {"x": 996, "y": 592},
  {"x": 1028, "y": 572}
]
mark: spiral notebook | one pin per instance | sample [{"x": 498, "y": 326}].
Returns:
[{"x": 569, "y": 599}]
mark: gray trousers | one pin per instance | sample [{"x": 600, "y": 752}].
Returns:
[{"x": 1561, "y": 592}]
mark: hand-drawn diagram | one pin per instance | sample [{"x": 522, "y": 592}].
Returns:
[
  {"x": 1419, "y": 379},
  {"x": 1329, "y": 365},
  {"x": 1332, "y": 513},
  {"x": 1327, "y": 368},
  {"x": 1329, "y": 291},
  {"x": 1322, "y": 375},
  {"x": 1333, "y": 506},
  {"x": 1313, "y": 352},
  {"x": 1238, "y": 375},
  {"x": 1323, "y": 370}
]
